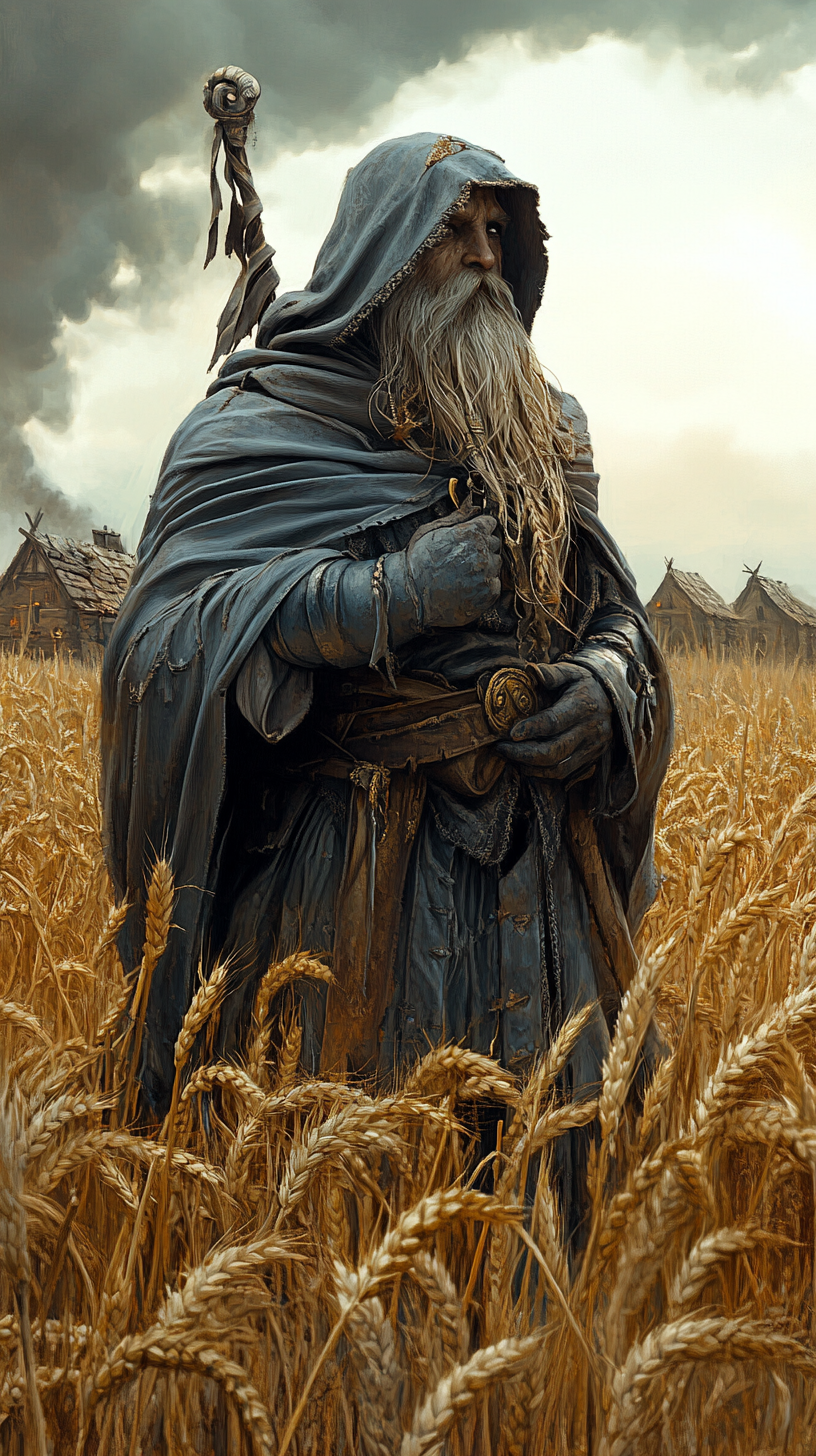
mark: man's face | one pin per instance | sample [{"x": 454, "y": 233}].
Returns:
[{"x": 474, "y": 242}]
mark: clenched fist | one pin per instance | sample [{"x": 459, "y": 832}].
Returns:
[{"x": 455, "y": 572}]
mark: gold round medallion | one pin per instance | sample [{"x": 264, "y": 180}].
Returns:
[{"x": 510, "y": 695}]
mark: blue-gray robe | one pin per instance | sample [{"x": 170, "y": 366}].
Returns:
[{"x": 281, "y": 468}]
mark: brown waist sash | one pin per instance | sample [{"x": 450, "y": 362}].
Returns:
[{"x": 408, "y": 734}]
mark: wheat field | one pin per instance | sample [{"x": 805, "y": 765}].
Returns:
[{"x": 305, "y": 1267}]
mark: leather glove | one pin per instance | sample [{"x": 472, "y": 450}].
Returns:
[
  {"x": 451, "y": 573},
  {"x": 569, "y": 736},
  {"x": 446, "y": 577}
]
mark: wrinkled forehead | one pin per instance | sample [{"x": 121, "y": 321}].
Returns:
[{"x": 482, "y": 202}]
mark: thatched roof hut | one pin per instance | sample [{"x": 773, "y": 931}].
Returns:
[
  {"x": 778, "y": 624},
  {"x": 63, "y": 595},
  {"x": 686, "y": 613}
]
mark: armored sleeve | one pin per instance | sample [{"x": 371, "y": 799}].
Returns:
[
  {"x": 343, "y": 614},
  {"x": 346, "y": 614}
]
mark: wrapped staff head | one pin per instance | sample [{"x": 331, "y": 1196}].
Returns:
[{"x": 230, "y": 95}]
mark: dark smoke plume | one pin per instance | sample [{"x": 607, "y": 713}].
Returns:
[{"x": 92, "y": 92}]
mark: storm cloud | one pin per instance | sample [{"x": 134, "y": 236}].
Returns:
[{"x": 95, "y": 92}]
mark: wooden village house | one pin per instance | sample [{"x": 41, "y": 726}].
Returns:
[
  {"x": 60, "y": 595},
  {"x": 686, "y": 613},
  {"x": 778, "y": 624}
]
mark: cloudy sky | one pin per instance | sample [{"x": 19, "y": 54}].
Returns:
[{"x": 676, "y": 180}]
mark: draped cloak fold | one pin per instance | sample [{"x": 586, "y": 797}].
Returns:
[{"x": 278, "y": 469}]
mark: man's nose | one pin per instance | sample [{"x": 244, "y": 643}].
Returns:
[{"x": 478, "y": 252}]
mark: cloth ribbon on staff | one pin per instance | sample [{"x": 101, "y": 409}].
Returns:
[{"x": 230, "y": 95}]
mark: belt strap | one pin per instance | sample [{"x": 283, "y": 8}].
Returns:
[{"x": 406, "y": 735}]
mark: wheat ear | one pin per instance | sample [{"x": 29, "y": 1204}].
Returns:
[
  {"x": 116, "y": 919},
  {"x": 158, "y": 916},
  {"x": 393, "y": 1256},
  {"x": 632, "y": 1415},
  {"x": 221, "y": 1274},
  {"x": 374, "y": 1354},
  {"x": 14, "y": 1245},
  {"x": 635, "y": 1014},
  {"x": 356, "y": 1127},
  {"x": 205, "y": 1002},
  {"x": 706, "y": 1254},
  {"x": 745, "y": 1058},
  {"x": 449, "y": 1329},
  {"x": 296, "y": 967},
  {"x": 469, "y": 1074},
  {"x": 289, "y": 1054},
  {"x": 170, "y": 1349},
  {"x": 459, "y": 1388},
  {"x": 24, "y": 1020}
]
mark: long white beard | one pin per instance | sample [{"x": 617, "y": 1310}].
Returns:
[{"x": 458, "y": 354}]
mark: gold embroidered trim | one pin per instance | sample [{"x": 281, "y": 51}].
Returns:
[
  {"x": 434, "y": 237},
  {"x": 445, "y": 146}
]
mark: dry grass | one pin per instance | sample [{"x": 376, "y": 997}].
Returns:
[{"x": 315, "y": 1274}]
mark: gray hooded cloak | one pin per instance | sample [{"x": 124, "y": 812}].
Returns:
[{"x": 281, "y": 468}]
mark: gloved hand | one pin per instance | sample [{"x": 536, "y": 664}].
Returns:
[
  {"x": 454, "y": 572},
  {"x": 446, "y": 577},
  {"x": 569, "y": 736}
]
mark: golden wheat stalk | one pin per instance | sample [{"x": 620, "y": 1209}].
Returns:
[
  {"x": 447, "y": 1323},
  {"x": 655, "y": 1098},
  {"x": 14, "y": 1246},
  {"x": 166, "y": 1348},
  {"x": 237, "y": 1166},
  {"x": 774, "y": 1124},
  {"x": 707, "y": 1254},
  {"x": 469, "y": 1074},
  {"x": 289, "y": 1054},
  {"x": 743, "y": 1060},
  {"x": 633, "y": 1415},
  {"x": 517, "y": 1143},
  {"x": 16, "y": 1015},
  {"x": 380, "y": 1376},
  {"x": 224, "y": 1272},
  {"x": 117, "y": 916},
  {"x": 203, "y": 1006},
  {"x": 391, "y": 1257},
  {"x": 355, "y": 1128},
  {"x": 661, "y": 1217},
  {"x": 458, "y": 1389},
  {"x": 555, "y": 1121},
  {"x": 158, "y": 917},
  {"x": 296, "y": 967},
  {"x": 223, "y": 1074},
  {"x": 634, "y": 1016}
]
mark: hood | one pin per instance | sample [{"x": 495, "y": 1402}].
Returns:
[{"x": 395, "y": 203}]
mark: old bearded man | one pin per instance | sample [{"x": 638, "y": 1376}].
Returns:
[{"x": 382, "y": 686}]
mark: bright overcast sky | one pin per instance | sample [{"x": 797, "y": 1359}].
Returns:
[{"x": 680, "y": 306}]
